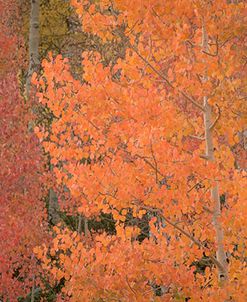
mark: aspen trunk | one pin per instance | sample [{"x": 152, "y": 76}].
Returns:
[
  {"x": 220, "y": 254},
  {"x": 86, "y": 230},
  {"x": 34, "y": 63},
  {"x": 79, "y": 228},
  {"x": 53, "y": 208},
  {"x": 33, "y": 43},
  {"x": 33, "y": 290},
  {"x": 33, "y": 66}
]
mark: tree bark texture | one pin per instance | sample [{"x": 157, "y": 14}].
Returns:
[
  {"x": 33, "y": 43},
  {"x": 220, "y": 254}
]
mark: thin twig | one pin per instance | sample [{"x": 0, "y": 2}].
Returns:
[
  {"x": 189, "y": 98},
  {"x": 216, "y": 120},
  {"x": 156, "y": 165},
  {"x": 207, "y": 210},
  {"x": 203, "y": 156},
  {"x": 192, "y": 238},
  {"x": 150, "y": 164},
  {"x": 198, "y": 183},
  {"x": 127, "y": 281},
  {"x": 216, "y": 52},
  {"x": 202, "y": 138},
  {"x": 151, "y": 66}
]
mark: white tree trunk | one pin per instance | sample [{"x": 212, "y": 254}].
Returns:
[
  {"x": 53, "y": 208},
  {"x": 220, "y": 254},
  {"x": 33, "y": 43}
]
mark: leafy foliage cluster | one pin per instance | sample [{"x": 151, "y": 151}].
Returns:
[{"x": 140, "y": 112}]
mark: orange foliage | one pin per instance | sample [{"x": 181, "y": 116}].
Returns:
[{"x": 127, "y": 144}]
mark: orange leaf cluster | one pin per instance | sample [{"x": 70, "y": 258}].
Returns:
[{"x": 122, "y": 143}]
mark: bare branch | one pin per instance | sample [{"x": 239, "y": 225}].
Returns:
[
  {"x": 204, "y": 156},
  {"x": 127, "y": 281},
  {"x": 202, "y": 138},
  {"x": 217, "y": 49},
  {"x": 216, "y": 120},
  {"x": 210, "y": 54},
  {"x": 226, "y": 41},
  {"x": 189, "y": 98},
  {"x": 191, "y": 43},
  {"x": 194, "y": 186},
  {"x": 207, "y": 210},
  {"x": 151, "y": 165},
  {"x": 151, "y": 66},
  {"x": 156, "y": 165},
  {"x": 191, "y": 237}
]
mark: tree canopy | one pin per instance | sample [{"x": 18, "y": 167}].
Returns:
[{"x": 143, "y": 139}]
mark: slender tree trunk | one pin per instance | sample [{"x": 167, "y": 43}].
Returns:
[
  {"x": 86, "y": 230},
  {"x": 33, "y": 43},
  {"x": 79, "y": 228},
  {"x": 220, "y": 254},
  {"x": 34, "y": 64},
  {"x": 53, "y": 208},
  {"x": 33, "y": 290}
]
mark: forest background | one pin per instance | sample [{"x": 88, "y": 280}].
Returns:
[{"x": 123, "y": 150}]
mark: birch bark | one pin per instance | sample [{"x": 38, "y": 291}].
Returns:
[
  {"x": 33, "y": 66},
  {"x": 34, "y": 61},
  {"x": 220, "y": 254}
]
